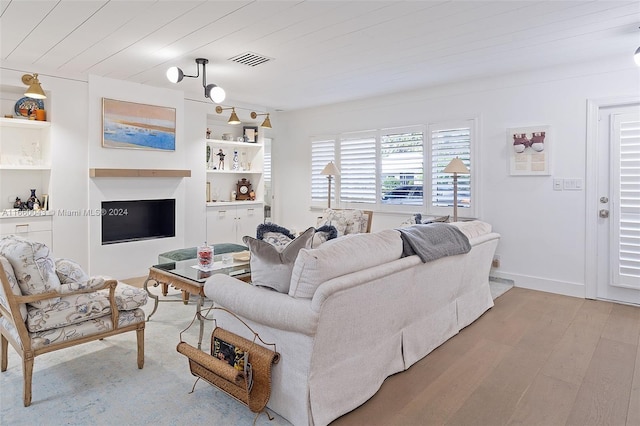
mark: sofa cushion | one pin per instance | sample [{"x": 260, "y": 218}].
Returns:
[
  {"x": 78, "y": 308},
  {"x": 342, "y": 256},
  {"x": 70, "y": 271},
  {"x": 13, "y": 283},
  {"x": 270, "y": 266},
  {"x": 473, "y": 228},
  {"x": 324, "y": 234},
  {"x": 33, "y": 265}
]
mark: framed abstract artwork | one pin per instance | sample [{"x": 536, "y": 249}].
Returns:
[
  {"x": 138, "y": 126},
  {"x": 529, "y": 150}
]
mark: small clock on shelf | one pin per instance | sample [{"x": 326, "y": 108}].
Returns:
[{"x": 244, "y": 190}]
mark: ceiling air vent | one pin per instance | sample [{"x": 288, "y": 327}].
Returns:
[{"x": 250, "y": 59}]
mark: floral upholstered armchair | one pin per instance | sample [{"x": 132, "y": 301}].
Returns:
[
  {"x": 48, "y": 304},
  {"x": 347, "y": 221}
]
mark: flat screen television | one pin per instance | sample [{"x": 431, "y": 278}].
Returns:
[{"x": 124, "y": 221}]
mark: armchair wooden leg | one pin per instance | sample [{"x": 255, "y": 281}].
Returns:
[
  {"x": 140, "y": 338},
  {"x": 3, "y": 354},
  {"x": 27, "y": 372}
]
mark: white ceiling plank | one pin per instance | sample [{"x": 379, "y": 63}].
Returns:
[
  {"x": 133, "y": 30},
  {"x": 13, "y": 30},
  {"x": 49, "y": 32},
  {"x": 324, "y": 51},
  {"x": 99, "y": 26}
]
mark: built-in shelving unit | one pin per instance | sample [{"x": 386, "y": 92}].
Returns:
[
  {"x": 223, "y": 181},
  {"x": 25, "y": 165}
]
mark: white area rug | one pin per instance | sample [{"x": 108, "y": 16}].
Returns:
[
  {"x": 99, "y": 383},
  {"x": 499, "y": 287}
]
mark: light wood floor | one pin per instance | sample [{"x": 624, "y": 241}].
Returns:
[{"x": 533, "y": 359}]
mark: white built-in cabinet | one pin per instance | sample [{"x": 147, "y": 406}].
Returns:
[
  {"x": 25, "y": 164},
  {"x": 229, "y": 222}
]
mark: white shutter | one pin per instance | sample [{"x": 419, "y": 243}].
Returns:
[
  {"x": 625, "y": 218},
  {"x": 322, "y": 151},
  {"x": 402, "y": 166},
  {"x": 358, "y": 167},
  {"x": 446, "y": 144},
  {"x": 266, "y": 165}
]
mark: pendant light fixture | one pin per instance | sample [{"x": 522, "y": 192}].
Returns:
[
  {"x": 233, "y": 118},
  {"x": 211, "y": 91},
  {"x": 34, "y": 90},
  {"x": 266, "y": 123}
]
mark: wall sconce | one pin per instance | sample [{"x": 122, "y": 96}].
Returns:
[
  {"x": 34, "y": 90},
  {"x": 330, "y": 170},
  {"x": 456, "y": 166},
  {"x": 636, "y": 57},
  {"x": 266, "y": 123},
  {"x": 211, "y": 91},
  {"x": 233, "y": 118}
]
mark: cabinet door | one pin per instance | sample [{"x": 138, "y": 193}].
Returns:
[
  {"x": 248, "y": 220},
  {"x": 32, "y": 228},
  {"x": 221, "y": 225}
]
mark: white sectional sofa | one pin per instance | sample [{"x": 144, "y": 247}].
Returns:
[{"x": 356, "y": 313}]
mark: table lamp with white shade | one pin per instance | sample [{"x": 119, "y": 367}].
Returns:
[
  {"x": 456, "y": 166},
  {"x": 330, "y": 170}
]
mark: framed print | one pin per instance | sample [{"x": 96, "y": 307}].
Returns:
[
  {"x": 138, "y": 126},
  {"x": 250, "y": 133},
  {"x": 529, "y": 151}
]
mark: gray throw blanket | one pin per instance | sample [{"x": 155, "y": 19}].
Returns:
[{"x": 433, "y": 241}]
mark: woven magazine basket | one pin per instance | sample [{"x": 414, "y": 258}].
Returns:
[{"x": 225, "y": 377}]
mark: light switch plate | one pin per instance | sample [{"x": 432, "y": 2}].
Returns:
[
  {"x": 574, "y": 184},
  {"x": 557, "y": 184}
]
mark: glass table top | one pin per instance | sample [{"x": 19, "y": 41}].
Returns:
[{"x": 186, "y": 269}]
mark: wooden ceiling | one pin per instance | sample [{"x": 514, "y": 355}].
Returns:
[{"x": 320, "y": 52}]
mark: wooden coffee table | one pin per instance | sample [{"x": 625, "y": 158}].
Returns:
[{"x": 183, "y": 276}]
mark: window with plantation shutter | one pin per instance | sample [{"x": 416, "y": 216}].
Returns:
[
  {"x": 402, "y": 166},
  {"x": 358, "y": 167},
  {"x": 322, "y": 151},
  {"x": 398, "y": 169},
  {"x": 448, "y": 142}
]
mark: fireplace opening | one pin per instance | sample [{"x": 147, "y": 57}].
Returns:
[{"x": 124, "y": 221}]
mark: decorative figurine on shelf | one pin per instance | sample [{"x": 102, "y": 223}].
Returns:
[
  {"x": 220, "y": 155},
  {"x": 236, "y": 162},
  {"x": 18, "y": 204},
  {"x": 208, "y": 156},
  {"x": 208, "y": 133}
]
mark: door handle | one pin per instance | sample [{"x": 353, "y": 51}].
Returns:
[{"x": 604, "y": 213}]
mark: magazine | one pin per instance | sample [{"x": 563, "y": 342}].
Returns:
[
  {"x": 227, "y": 352},
  {"x": 235, "y": 357}
]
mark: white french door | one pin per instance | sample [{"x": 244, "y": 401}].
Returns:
[{"x": 618, "y": 204}]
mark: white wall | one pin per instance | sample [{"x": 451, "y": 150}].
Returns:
[
  {"x": 133, "y": 259},
  {"x": 543, "y": 231}
]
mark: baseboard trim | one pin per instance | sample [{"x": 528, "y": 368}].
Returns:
[{"x": 543, "y": 284}]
